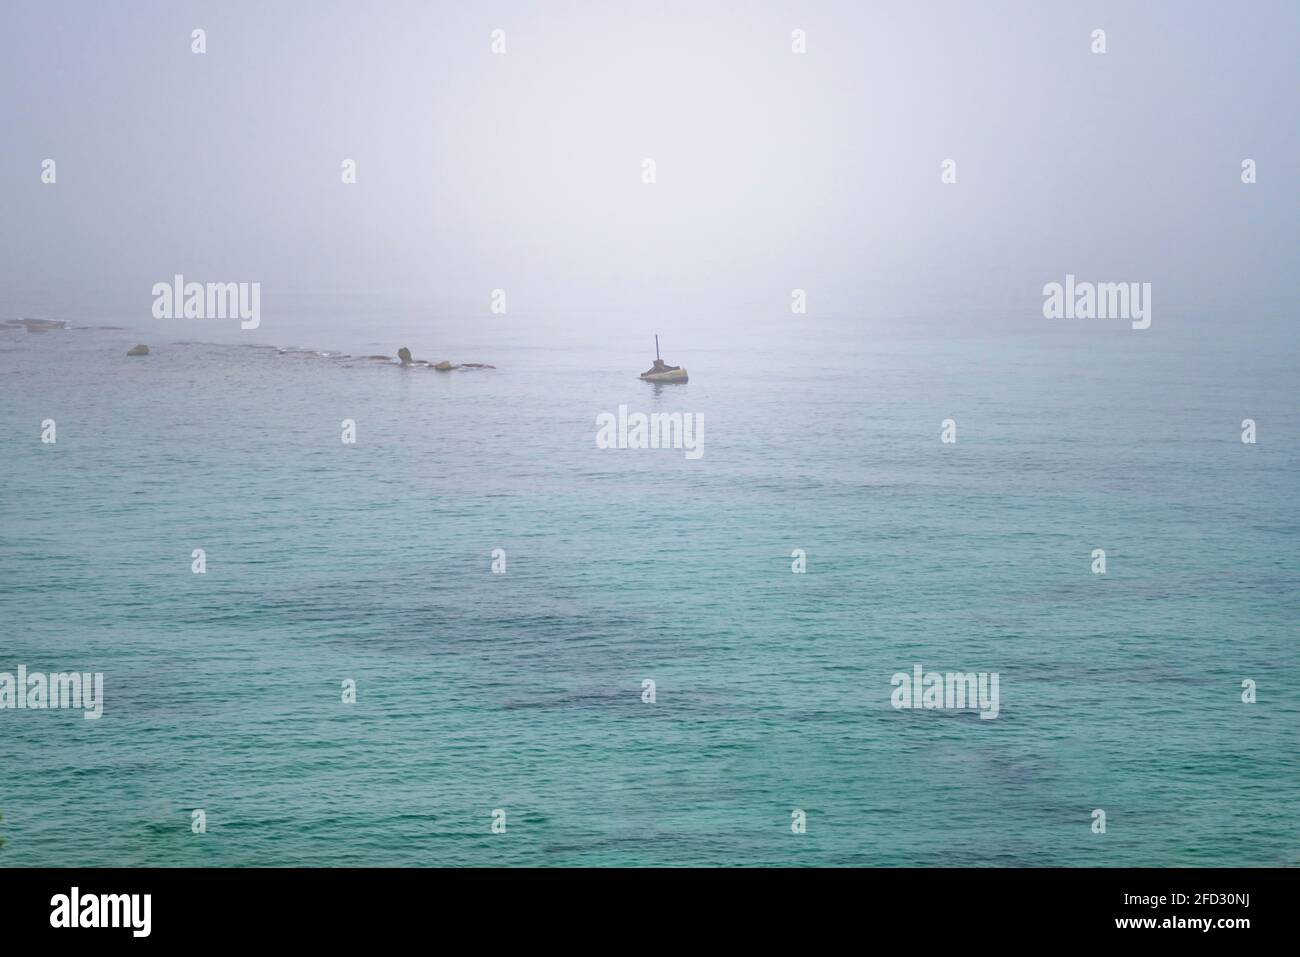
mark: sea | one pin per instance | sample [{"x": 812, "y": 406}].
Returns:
[{"x": 474, "y": 637}]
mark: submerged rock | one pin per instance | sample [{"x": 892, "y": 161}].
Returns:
[
  {"x": 140, "y": 350},
  {"x": 446, "y": 366}
]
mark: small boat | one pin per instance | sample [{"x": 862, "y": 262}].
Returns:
[{"x": 661, "y": 371}]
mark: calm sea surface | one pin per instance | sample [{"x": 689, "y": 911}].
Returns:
[{"x": 522, "y": 691}]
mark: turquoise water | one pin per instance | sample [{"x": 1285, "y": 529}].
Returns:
[{"x": 522, "y": 691}]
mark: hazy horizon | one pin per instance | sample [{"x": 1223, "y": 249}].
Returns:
[{"x": 522, "y": 171}]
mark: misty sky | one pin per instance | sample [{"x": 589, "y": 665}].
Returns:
[{"x": 775, "y": 170}]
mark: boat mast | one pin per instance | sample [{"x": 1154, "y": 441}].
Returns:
[{"x": 656, "y": 345}]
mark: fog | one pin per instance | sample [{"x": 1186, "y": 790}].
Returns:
[{"x": 523, "y": 170}]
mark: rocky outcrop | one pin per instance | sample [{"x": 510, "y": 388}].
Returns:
[
  {"x": 140, "y": 350},
  {"x": 404, "y": 357},
  {"x": 38, "y": 325}
]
